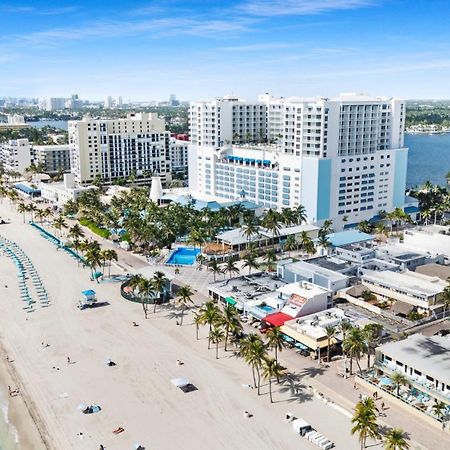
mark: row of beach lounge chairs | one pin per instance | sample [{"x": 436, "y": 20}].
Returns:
[{"x": 27, "y": 274}]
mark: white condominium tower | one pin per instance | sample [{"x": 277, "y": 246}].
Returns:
[
  {"x": 119, "y": 148},
  {"x": 342, "y": 158}
]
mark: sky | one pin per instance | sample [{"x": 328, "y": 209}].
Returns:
[{"x": 198, "y": 49}]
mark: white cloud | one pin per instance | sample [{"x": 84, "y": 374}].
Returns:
[
  {"x": 37, "y": 11},
  {"x": 268, "y": 8}
]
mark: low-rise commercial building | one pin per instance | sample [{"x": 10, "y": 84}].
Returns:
[
  {"x": 292, "y": 272},
  {"x": 61, "y": 193},
  {"x": 420, "y": 291}
]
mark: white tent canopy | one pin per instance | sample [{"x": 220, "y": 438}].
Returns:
[{"x": 180, "y": 382}]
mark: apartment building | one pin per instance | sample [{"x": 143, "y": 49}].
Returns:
[
  {"x": 136, "y": 145},
  {"x": 53, "y": 158},
  {"x": 15, "y": 155},
  {"x": 337, "y": 157},
  {"x": 178, "y": 156}
]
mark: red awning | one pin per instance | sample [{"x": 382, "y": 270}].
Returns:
[{"x": 277, "y": 319}]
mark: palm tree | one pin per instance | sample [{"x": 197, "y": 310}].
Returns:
[
  {"x": 75, "y": 232},
  {"x": 250, "y": 228},
  {"x": 209, "y": 314},
  {"x": 371, "y": 334},
  {"x": 365, "y": 422},
  {"x": 270, "y": 257},
  {"x": 271, "y": 222},
  {"x": 146, "y": 291},
  {"x": 290, "y": 244},
  {"x": 438, "y": 409},
  {"x": 230, "y": 266},
  {"x": 354, "y": 346},
  {"x": 93, "y": 259},
  {"x": 331, "y": 333},
  {"x": 445, "y": 298},
  {"x": 288, "y": 216},
  {"x": 300, "y": 212},
  {"x": 184, "y": 295},
  {"x": 324, "y": 242},
  {"x": 216, "y": 336},
  {"x": 395, "y": 440},
  {"x": 250, "y": 262},
  {"x": 213, "y": 266},
  {"x": 197, "y": 321},
  {"x": 275, "y": 340},
  {"x": 230, "y": 321},
  {"x": 110, "y": 255},
  {"x": 159, "y": 281},
  {"x": 254, "y": 351},
  {"x": 398, "y": 379},
  {"x": 59, "y": 223},
  {"x": 22, "y": 209},
  {"x": 271, "y": 369},
  {"x": 365, "y": 227}
]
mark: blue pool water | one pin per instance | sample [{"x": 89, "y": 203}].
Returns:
[
  {"x": 265, "y": 308},
  {"x": 184, "y": 256}
]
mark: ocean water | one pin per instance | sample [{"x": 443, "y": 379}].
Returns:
[
  {"x": 428, "y": 159},
  {"x": 8, "y": 435}
]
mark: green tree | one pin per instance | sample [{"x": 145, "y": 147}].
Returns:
[
  {"x": 395, "y": 440},
  {"x": 270, "y": 258},
  {"x": 209, "y": 314},
  {"x": 354, "y": 346},
  {"x": 250, "y": 261},
  {"x": 271, "y": 369},
  {"x": 331, "y": 333},
  {"x": 184, "y": 295},
  {"x": 214, "y": 268},
  {"x": 439, "y": 409},
  {"x": 398, "y": 379},
  {"x": 271, "y": 221},
  {"x": 197, "y": 322},
  {"x": 216, "y": 336},
  {"x": 146, "y": 292},
  {"x": 364, "y": 422},
  {"x": 159, "y": 282},
  {"x": 253, "y": 350},
  {"x": 290, "y": 244},
  {"x": 230, "y": 321},
  {"x": 230, "y": 267},
  {"x": 275, "y": 340}
]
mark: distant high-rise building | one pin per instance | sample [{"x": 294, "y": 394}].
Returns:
[
  {"x": 342, "y": 159},
  {"x": 119, "y": 102},
  {"x": 55, "y": 103},
  {"x": 137, "y": 145},
  {"x": 173, "y": 101},
  {"x": 108, "y": 102}
]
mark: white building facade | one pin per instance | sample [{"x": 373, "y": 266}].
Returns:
[
  {"x": 53, "y": 158},
  {"x": 15, "y": 155},
  {"x": 337, "y": 157},
  {"x": 110, "y": 149},
  {"x": 178, "y": 156}
]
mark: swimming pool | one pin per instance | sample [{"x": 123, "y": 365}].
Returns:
[
  {"x": 266, "y": 308},
  {"x": 184, "y": 256}
]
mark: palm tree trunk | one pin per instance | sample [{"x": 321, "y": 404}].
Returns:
[
  {"x": 328, "y": 351},
  {"x": 253, "y": 373},
  {"x": 182, "y": 315},
  {"x": 226, "y": 336},
  {"x": 259, "y": 380},
  {"x": 217, "y": 349},
  {"x": 276, "y": 353},
  {"x": 270, "y": 390},
  {"x": 359, "y": 367},
  {"x": 196, "y": 326}
]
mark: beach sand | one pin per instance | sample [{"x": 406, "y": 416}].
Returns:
[{"x": 137, "y": 393}]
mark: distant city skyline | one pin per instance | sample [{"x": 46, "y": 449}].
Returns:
[{"x": 151, "y": 49}]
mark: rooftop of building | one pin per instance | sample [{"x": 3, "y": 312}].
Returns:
[
  {"x": 299, "y": 266},
  {"x": 408, "y": 281},
  {"x": 331, "y": 263},
  {"x": 401, "y": 252},
  {"x": 358, "y": 248},
  {"x": 51, "y": 148},
  {"x": 302, "y": 289},
  {"x": 259, "y": 286},
  {"x": 347, "y": 237},
  {"x": 434, "y": 270},
  {"x": 428, "y": 354}
]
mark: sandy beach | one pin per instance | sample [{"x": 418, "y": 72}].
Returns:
[{"x": 136, "y": 394}]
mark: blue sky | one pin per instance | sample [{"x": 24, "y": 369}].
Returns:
[{"x": 199, "y": 49}]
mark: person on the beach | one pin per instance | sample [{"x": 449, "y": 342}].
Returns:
[{"x": 68, "y": 360}]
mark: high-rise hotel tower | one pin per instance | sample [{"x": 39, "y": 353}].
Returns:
[{"x": 342, "y": 158}]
